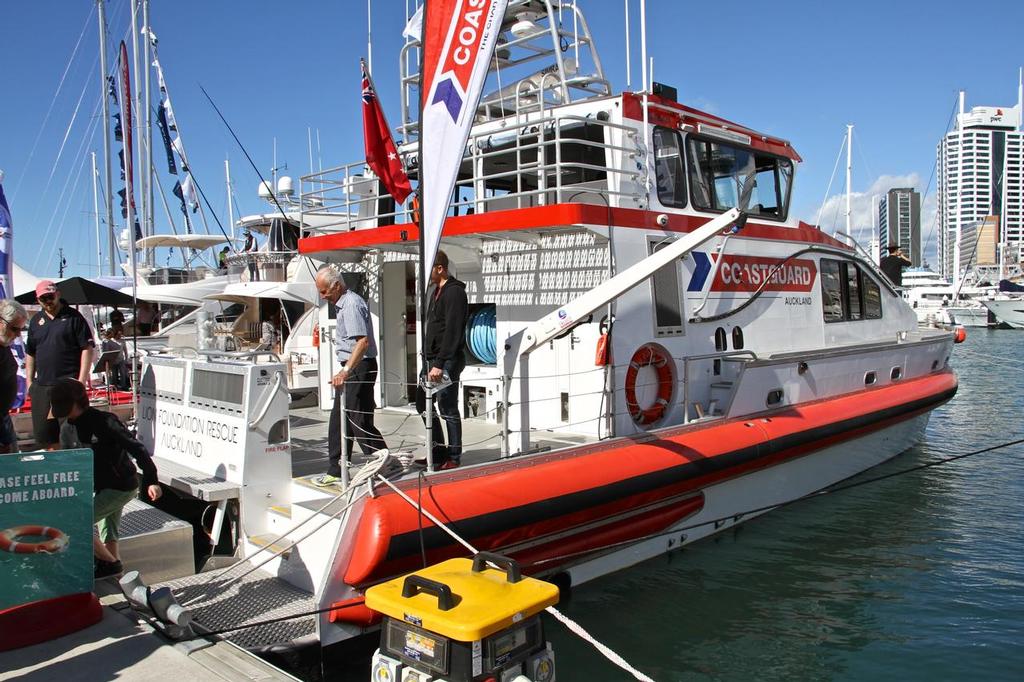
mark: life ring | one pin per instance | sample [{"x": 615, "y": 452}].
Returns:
[
  {"x": 56, "y": 543},
  {"x": 654, "y": 356}
]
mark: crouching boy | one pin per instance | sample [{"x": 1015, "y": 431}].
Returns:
[{"x": 116, "y": 480}]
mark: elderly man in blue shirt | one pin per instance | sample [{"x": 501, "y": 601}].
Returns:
[{"x": 356, "y": 352}]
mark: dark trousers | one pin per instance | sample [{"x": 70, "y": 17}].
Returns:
[
  {"x": 447, "y": 408},
  {"x": 359, "y": 407},
  {"x": 44, "y": 429}
]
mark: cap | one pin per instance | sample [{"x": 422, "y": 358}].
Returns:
[{"x": 44, "y": 287}]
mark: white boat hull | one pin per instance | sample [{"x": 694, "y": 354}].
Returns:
[
  {"x": 970, "y": 316},
  {"x": 1008, "y": 311}
]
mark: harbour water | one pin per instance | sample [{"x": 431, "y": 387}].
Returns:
[{"x": 916, "y": 577}]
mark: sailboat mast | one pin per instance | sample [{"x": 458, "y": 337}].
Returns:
[
  {"x": 96, "y": 213},
  {"x": 849, "y": 173},
  {"x": 147, "y": 149},
  {"x": 101, "y": 12},
  {"x": 140, "y": 144}
]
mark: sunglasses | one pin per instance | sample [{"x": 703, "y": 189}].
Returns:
[{"x": 47, "y": 298}]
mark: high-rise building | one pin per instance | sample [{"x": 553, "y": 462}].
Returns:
[
  {"x": 899, "y": 222},
  {"x": 980, "y": 176}
]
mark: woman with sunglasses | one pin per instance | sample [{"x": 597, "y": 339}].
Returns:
[{"x": 59, "y": 346}]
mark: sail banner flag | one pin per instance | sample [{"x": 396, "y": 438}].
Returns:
[
  {"x": 165, "y": 134},
  {"x": 459, "y": 37},
  {"x": 381, "y": 154},
  {"x": 6, "y": 245},
  {"x": 124, "y": 83}
]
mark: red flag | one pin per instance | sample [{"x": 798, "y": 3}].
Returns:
[{"x": 381, "y": 153}]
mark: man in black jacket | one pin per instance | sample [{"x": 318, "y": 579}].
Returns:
[
  {"x": 445, "y": 341},
  {"x": 115, "y": 479}
]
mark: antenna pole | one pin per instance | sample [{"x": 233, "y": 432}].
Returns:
[
  {"x": 231, "y": 212},
  {"x": 628, "y": 68},
  {"x": 369, "y": 38}
]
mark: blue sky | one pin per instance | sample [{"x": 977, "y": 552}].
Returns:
[{"x": 801, "y": 70}]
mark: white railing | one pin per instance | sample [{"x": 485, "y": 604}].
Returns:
[{"x": 503, "y": 169}]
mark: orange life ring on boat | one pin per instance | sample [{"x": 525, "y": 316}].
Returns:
[
  {"x": 649, "y": 355},
  {"x": 56, "y": 543}
]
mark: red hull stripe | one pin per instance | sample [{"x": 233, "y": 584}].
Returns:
[
  {"x": 506, "y": 505},
  {"x": 553, "y": 216}
]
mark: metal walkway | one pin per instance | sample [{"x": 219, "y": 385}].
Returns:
[{"x": 257, "y": 597}]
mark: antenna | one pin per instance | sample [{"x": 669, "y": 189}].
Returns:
[{"x": 628, "y": 68}]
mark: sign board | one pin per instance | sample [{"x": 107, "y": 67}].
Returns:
[{"x": 45, "y": 525}]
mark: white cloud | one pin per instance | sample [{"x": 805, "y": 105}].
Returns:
[{"x": 864, "y": 204}]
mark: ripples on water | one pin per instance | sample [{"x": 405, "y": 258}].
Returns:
[{"x": 918, "y": 577}]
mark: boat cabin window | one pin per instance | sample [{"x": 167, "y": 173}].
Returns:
[
  {"x": 848, "y": 292},
  {"x": 723, "y": 176},
  {"x": 665, "y": 289},
  {"x": 669, "y": 173}
]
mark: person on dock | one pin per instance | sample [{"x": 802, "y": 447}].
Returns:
[
  {"x": 115, "y": 478},
  {"x": 445, "y": 342},
  {"x": 59, "y": 346},
  {"x": 13, "y": 321},
  {"x": 893, "y": 264},
  {"x": 356, "y": 353}
]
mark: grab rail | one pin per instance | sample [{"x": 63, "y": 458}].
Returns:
[{"x": 707, "y": 356}]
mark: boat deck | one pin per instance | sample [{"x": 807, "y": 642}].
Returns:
[{"x": 403, "y": 430}]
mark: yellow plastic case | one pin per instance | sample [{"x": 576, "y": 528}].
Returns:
[{"x": 482, "y": 601}]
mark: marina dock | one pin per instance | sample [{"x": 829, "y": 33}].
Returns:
[{"x": 125, "y": 648}]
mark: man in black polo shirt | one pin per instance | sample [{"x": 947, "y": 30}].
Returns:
[{"x": 59, "y": 345}]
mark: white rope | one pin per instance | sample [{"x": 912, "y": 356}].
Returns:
[
  {"x": 578, "y": 630},
  {"x": 839, "y": 155},
  {"x": 573, "y": 626}
]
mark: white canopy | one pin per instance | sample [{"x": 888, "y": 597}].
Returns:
[
  {"x": 300, "y": 292},
  {"x": 188, "y": 293},
  {"x": 186, "y": 241}
]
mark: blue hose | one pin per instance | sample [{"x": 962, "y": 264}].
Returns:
[{"x": 482, "y": 334}]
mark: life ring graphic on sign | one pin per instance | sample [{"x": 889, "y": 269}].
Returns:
[
  {"x": 649, "y": 355},
  {"x": 57, "y": 541}
]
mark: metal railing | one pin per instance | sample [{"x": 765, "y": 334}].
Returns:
[{"x": 503, "y": 169}]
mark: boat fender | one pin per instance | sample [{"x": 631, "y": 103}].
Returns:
[
  {"x": 959, "y": 335},
  {"x": 601, "y": 357},
  {"x": 649, "y": 355},
  {"x": 57, "y": 541}
]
